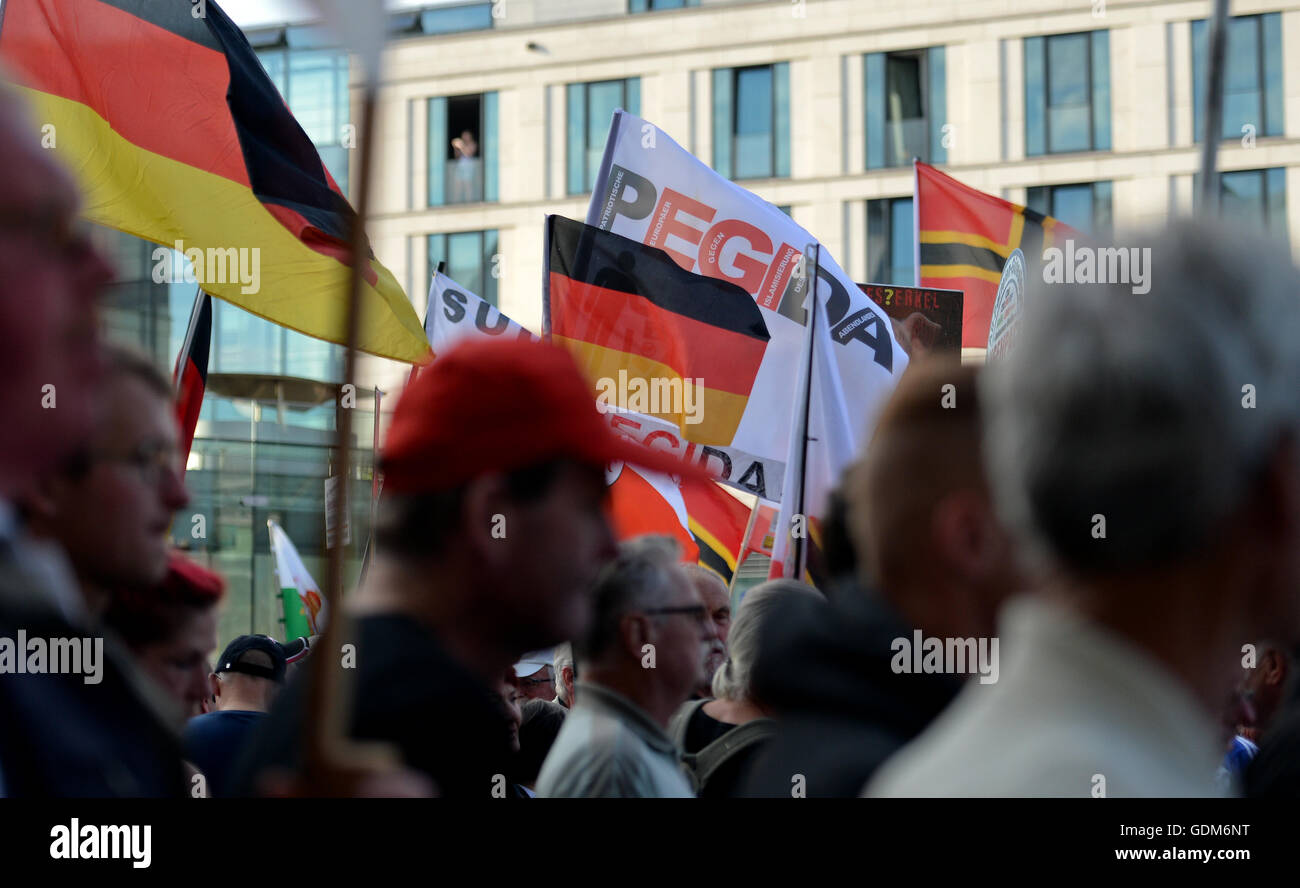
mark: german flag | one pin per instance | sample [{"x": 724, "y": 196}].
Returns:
[
  {"x": 965, "y": 238},
  {"x": 644, "y": 328},
  {"x": 191, "y": 374},
  {"x": 717, "y": 521},
  {"x": 176, "y": 134}
]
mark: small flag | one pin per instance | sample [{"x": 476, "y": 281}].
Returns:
[
  {"x": 191, "y": 374},
  {"x": 304, "y": 608}
]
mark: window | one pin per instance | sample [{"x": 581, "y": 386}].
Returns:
[
  {"x": 451, "y": 19},
  {"x": 590, "y": 109},
  {"x": 751, "y": 121},
  {"x": 1252, "y": 83},
  {"x": 649, "y": 5},
  {"x": 1251, "y": 197},
  {"x": 891, "y": 237},
  {"x": 1085, "y": 207},
  {"x": 314, "y": 84},
  {"x": 470, "y": 258},
  {"x": 1067, "y": 93},
  {"x": 906, "y": 103},
  {"x": 462, "y": 149}
]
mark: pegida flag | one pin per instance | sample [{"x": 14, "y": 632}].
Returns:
[
  {"x": 176, "y": 134},
  {"x": 964, "y": 238}
]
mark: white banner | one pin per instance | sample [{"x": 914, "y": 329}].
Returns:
[
  {"x": 653, "y": 190},
  {"x": 293, "y": 575}
]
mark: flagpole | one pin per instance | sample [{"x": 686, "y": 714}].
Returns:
[
  {"x": 744, "y": 545},
  {"x": 800, "y": 542},
  {"x": 1213, "y": 110}
]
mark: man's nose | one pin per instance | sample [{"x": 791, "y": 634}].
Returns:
[{"x": 173, "y": 488}]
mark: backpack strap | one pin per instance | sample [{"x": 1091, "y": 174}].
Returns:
[
  {"x": 681, "y": 720},
  {"x": 712, "y": 757}
]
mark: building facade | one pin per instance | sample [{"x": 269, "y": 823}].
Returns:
[{"x": 1088, "y": 111}]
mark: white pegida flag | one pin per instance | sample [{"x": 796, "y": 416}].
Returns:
[{"x": 653, "y": 190}]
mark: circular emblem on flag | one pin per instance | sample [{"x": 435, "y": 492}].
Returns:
[{"x": 1008, "y": 306}]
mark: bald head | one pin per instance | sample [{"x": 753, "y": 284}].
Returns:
[{"x": 50, "y": 280}]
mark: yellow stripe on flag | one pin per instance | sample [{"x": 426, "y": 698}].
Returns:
[
  {"x": 719, "y": 412},
  {"x": 170, "y": 201},
  {"x": 960, "y": 271}
]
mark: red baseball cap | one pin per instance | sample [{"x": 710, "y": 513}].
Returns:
[{"x": 491, "y": 405}]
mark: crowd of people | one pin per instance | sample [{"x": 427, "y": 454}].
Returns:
[{"x": 1115, "y": 506}]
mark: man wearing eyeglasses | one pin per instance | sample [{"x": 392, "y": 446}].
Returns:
[
  {"x": 111, "y": 501},
  {"x": 535, "y": 677},
  {"x": 640, "y": 661}
]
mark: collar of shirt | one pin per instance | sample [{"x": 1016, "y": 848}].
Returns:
[
  {"x": 615, "y": 704},
  {"x": 1040, "y": 635}
]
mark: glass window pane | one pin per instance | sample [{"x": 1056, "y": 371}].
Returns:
[
  {"x": 1035, "y": 98},
  {"x": 1200, "y": 44},
  {"x": 465, "y": 259},
  {"x": 489, "y": 252},
  {"x": 902, "y": 262},
  {"x": 490, "y": 146},
  {"x": 1100, "y": 43},
  {"x": 1072, "y": 204},
  {"x": 456, "y": 18},
  {"x": 575, "y": 138},
  {"x": 633, "y": 96},
  {"x": 877, "y": 241},
  {"x": 1242, "y": 195},
  {"x": 1272, "y": 27},
  {"x": 1275, "y": 188},
  {"x": 1067, "y": 58},
  {"x": 437, "y": 148},
  {"x": 907, "y": 132},
  {"x": 874, "y": 76},
  {"x": 312, "y": 84},
  {"x": 722, "y": 111},
  {"x": 1242, "y": 97},
  {"x": 938, "y": 109},
  {"x": 1067, "y": 128},
  {"x": 602, "y": 100},
  {"x": 753, "y": 122},
  {"x": 781, "y": 128}
]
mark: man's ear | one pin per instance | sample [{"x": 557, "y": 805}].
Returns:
[
  {"x": 964, "y": 532},
  {"x": 214, "y": 685},
  {"x": 634, "y": 633},
  {"x": 43, "y": 500},
  {"x": 485, "y": 517}
]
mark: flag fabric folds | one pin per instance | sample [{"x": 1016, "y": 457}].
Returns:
[
  {"x": 717, "y": 521},
  {"x": 642, "y": 501},
  {"x": 191, "y": 374},
  {"x": 964, "y": 239},
  {"x": 305, "y": 611},
  {"x": 176, "y": 134},
  {"x": 669, "y": 343}
]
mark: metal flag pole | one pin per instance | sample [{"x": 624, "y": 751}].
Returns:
[
  {"x": 801, "y": 541},
  {"x": 1213, "y": 116}
]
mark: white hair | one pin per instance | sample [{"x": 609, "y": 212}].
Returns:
[
  {"x": 732, "y": 681},
  {"x": 1135, "y": 407},
  {"x": 563, "y": 657}
]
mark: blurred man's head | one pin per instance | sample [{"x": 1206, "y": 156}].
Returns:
[
  {"x": 50, "y": 282},
  {"x": 1268, "y": 684},
  {"x": 716, "y": 597},
  {"x": 111, "y": 501},
  {"x": 535, "y": 677},
  {"x": 920, "y": 511},
  {"x": 508, "y": 692},
  {"x": 171, "y": 628},
  {"x": 1146, "y": 448},
  {"x": 494, "y": 486},
  {"x": 564, "y": 674},
  {"x": 650, "y": 631},
  {"x": 249, "y": 674}
]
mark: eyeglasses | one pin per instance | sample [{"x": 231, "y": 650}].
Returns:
[
  {"x": 537, "y": 681},
  {"x": 152, "y": 461},
  {"x": 698, "y": 611}
]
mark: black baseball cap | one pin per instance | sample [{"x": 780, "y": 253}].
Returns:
[{"x": 256, "y": 655}]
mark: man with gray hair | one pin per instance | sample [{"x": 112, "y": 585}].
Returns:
[
  {"x": 1146, "y": 452},
  {"x": 640, "y": 661},
  {"x": 564, "y": 675}
]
